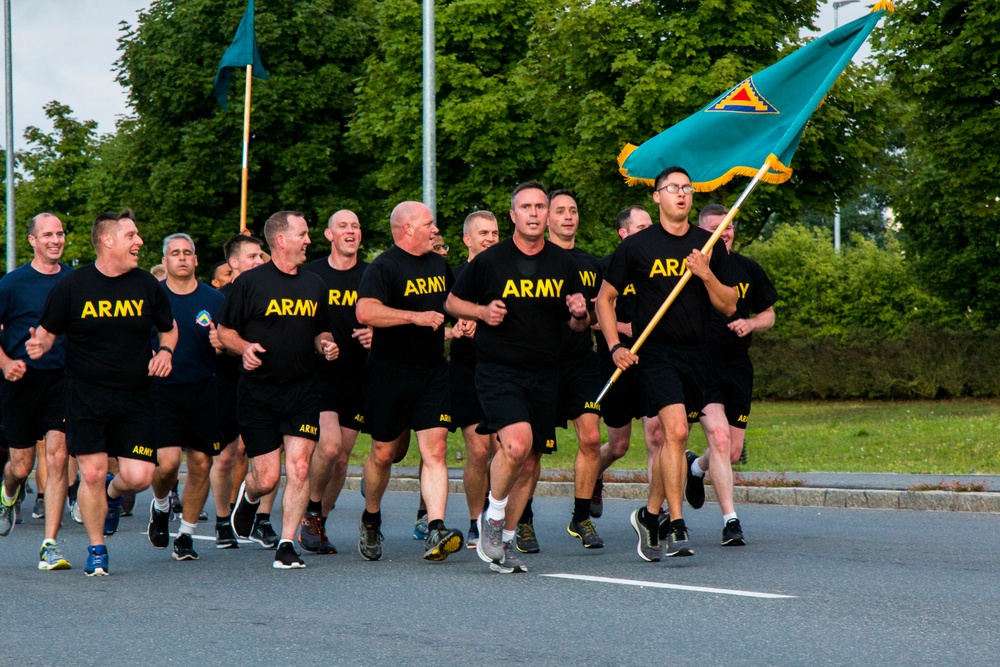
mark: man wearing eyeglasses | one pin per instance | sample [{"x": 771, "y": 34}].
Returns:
[{"x": 675, "y": 358}]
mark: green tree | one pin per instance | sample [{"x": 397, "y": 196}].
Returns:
[
  {"x": 56, "y": 171},
  {"x": 940, "y": 63},
  {"x": 177, "y": 161}
]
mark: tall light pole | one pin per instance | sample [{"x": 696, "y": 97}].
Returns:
[
  {"x": 11, "y": 238},
  {"x": 430, "y": 112},
  {"x": 836, "y": 204}
]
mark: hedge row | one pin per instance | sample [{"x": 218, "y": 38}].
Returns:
[{"x": 867, "y": 365}]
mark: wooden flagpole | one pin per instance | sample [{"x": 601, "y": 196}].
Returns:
[
  {"x": 246, "y": 151},
  {"x": 687, "y": 275}
]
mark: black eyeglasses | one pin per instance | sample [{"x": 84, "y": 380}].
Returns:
[{"x": 673, "y": 189}]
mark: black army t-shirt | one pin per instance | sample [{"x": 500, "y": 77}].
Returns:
[
  {"x": 341, "y": 301},
  {"x": 408, "y": 282},
  {"x": 756, "y": 294},
  {"x": 283, "y": 313},
  {"x": 624, "y": 309},
  {"x": 534, "y": 290},
  {"x": 463, "y": 350},
  {"x": 653, "y": 261},
  {"x": 579, "y": 343},
  {"x": 107, "y": 323}
]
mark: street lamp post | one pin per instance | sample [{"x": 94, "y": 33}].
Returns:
[{"x": 836, "y": 204}]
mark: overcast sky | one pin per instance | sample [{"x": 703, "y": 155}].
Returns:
[{"x": 65, "y": 50}]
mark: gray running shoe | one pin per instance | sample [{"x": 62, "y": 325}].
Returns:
[
  {"x": 732, "y": 534},
  {"x": 649, "y": 540},
  {"x": 420, "y": 529},
  {"x": 512, "y": 563},
  {"x": 442, "y": 543},
  {"x": 7, "y": 519},
  {"x": 370, "y": 544},
  {"x": 490, "y": 548},
  {"x": 525, "y": 539},
  {"x": 678, "y": 543},
  {"x": 74, "y": 511},
  {"x": 49, "y": 557},
  {"x": 38, "y": 511},
  {"x": 586, "y": 532}
]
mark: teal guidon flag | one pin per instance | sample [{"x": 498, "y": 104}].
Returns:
[
  {"x": 242, "y": 52},
  {"x": 759, "y": 121}
]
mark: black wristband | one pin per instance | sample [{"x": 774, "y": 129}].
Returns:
[
  {"x": 580, "y": 318},
  {"x": 167, "y": 348},
  {"x": 616, "y": 346}
]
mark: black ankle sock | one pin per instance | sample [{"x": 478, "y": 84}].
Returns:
[
  {"x": 41, "y": 496},
  {"x": 421, "y": 513},
  {"x": 262, "y": 516},
  {"x": 435, "y": 524},
  {"x": 527, "y": 515},
  {"x": 221, "y": 519},
  {"x": 372, "y": 518},
  {"x": 315, "y": 507},
  {"x": 581, "y": 509},
  {"x": 649, "y": 520},
  {"x": 677, "y": 523}
]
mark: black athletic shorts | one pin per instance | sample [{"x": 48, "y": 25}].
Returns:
[
  {"x": 579, "y": 385},
  {"x": 626, "y": 399},
  {"x": 226, "y": 389},
  {"x": 343, "y": 396},
  {"x": 465, "y": 407},
  {"x": 186, "y": 416},
  {"x": 675, "y": 375},
  {"x": 512, "y": 395},
  {"x": 269, "y": 411},
  {"x": 398, "y": 398},
  {"x": 731, "y": 384},
  {"x": 34, "y": 405},
  {"x": 118, "y": 422}
]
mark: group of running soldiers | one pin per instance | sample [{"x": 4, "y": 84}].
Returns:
[{"x": 115, "y": 368}]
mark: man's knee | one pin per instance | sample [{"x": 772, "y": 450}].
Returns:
[{"x": 383, "y": 454}]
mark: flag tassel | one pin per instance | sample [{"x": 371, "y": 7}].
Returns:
[{"x": 758, "y": 177}]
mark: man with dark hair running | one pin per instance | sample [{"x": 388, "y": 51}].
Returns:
[
  {"x": 675, "y": 358},
  {"x": 107, "y": 310},
  {"x": 521, "y": 291},
  {"x": 273, "y": 318}
]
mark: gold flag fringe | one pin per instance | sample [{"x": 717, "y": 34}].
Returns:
[
  {"x": 884, "y": 5},
  {"x": 778, "y": 173}
]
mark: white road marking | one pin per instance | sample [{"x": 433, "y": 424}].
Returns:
[
  {"x": 210, "y": 538},
  {"x": 657, "y": 584}
]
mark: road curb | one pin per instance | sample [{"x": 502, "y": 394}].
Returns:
[{"x": 937, "y": 501}]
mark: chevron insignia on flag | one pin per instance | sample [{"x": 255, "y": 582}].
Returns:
[{"x": 744, "y": 98}]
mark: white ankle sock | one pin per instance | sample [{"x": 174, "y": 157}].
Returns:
[
  {"x": 696, "y": 469},
  {"x": 497, "y": 510},
  {"x": 161, "y": 504},
  {"x": 187, "y": 528}
]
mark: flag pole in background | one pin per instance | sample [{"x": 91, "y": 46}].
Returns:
[
  {"x": 753, "y": 129},
  {"x": 241, "y": 53}
]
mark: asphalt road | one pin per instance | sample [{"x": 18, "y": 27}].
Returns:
[{"x": 815, "y": 586}]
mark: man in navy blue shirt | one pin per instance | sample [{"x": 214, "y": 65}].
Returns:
[
  {"x": 32, "y": 396},
  {"x": 185, "y": 400}
]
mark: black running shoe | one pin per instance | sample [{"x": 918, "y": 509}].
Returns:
[
  {"x": 158, "y": 530},
  {"x": 184, "y": 547},
  {"x": 175, "y": 504},
  {"x": 243, "y": 514},
  {"x": 694, "y": 491},
  {"x": 370, "y": 544},
  {"x": 263, "y": 533},
  {"x": 441, "y": 543},
  {"x": 586, "y": 532},
  {"x": 285, "y": 558},
  {"x": 743, "y": 454},
  {"x": 678, "y": 543},
  {"x": 597, "y": 501},
  {"x": 732, "y": 534},
  {"x": 525, "y": 539},
  {"x": 663, "y": 519},
  {"x": 225, "y": 538}
]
